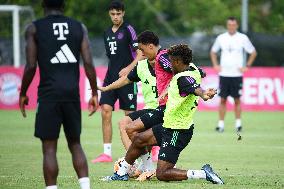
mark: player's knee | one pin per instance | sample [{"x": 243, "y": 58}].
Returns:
[
  {"x": 73, "y": 143},
  {"x": 223, "y": 101},
  {"x": 106, "y": 112},
  {"x": 138, "y": 140},
  {"x": 237, "y": 101},
  {"x": 123, "y": 123},
  {"x": 130, "y": 131},
  {"x": 49, "y": 150}
]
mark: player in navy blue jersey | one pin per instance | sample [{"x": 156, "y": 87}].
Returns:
[
  {"x": 122, "y": 51},
  {"x": 55, "y": 43}
]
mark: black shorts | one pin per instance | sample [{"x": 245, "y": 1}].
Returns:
[
  {"x": 50, "y": 116},
  {"x": 154, "y": 117},
  {"x": 171, "y": 142},
  {"x": 127, "y": 96},
  {"x": 230, "y": 86},
  {"x": 139, "y": 113}
]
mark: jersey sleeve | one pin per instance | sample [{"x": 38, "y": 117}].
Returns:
[
  {"x": 249, "y": 48},
  {"x": 106, "y": 45},
  {"x": 132, "y": 37},
  {"x": 165, "y": 63},
  {"x": 133, "y": 76},
  {"x": 202, "y": 72},
  {"x": 216, "y": 46},
  {"x": 186, "y": 85}
]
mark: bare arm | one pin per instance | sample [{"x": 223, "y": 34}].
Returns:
[
  {"x": 205, "y": 94},
  {"x": 90, "y": 70},
  {"x": 164, "y": 93},
  {"x": 214, "y": 60},
  {"x": 249, "y": 61},
  {"x": 126, "y": 70},
  {"x": 122, "y": 81},
  {"x": 30, "y": 67},
  {"x": 251, "y": 58}
]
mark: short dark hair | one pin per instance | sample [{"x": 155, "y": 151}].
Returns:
[
  {"x": 181, "y": 51},
  {"x": 148, "y": 37},
  {"x": 117, "y": 5},
  {"x": 232, "y": 18},
  {"x": 54, "y": 3}
]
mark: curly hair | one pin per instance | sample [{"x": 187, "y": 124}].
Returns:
[{"x": 181, "y": 51}]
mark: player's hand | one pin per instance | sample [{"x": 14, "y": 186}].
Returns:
[
  {"x": 217, "y": 68},
  {"x": 243, "y": 69},
  {"x": 23, "y": 101},
  {"x": 103, "y": 89},
  {"x": 162, "y": 96},
  {"x": 93, "y": 105},
  {"x": 140, "y": 55},
  {"x": 209, "y": 94},
  {"x": 124, "y": 72}
]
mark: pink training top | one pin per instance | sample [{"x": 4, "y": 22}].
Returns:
[{"x": 164, "y": 74}]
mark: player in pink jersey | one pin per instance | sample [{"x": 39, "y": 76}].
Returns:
[{"x": 148, "y": 43}]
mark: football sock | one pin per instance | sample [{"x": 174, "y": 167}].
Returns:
[
  {"x": 221, "y": 124},
  {"x": 147, "y": 162},
  {"x": 52, "y": 187},
  {"x": 123, "y": 168},
  {"x": 84, "y": 183},
  {"x": 238, "y": 123},
  {"x": 107, "y": 149},
  {"x": 196, "y": 174}
]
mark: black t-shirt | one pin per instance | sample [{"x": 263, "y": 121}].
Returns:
[
  {"x": 187, "y": 84},
  {"x": 133, "y": 75},
  {"x": 58, "y": 40},
  {"x": 120, "y": 49}
]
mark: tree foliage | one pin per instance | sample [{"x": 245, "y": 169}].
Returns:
[{"x": 168, "y": 17}]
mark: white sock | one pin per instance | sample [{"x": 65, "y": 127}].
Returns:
[
  {"x": 124, "y": 168},
  {"x": 221, "y": 124},
  {"x": 107, "y": 149},
  {"x": 52, "y": 187},
  {"x": 84, "y": 183},
  {"x": 238, "y": 123},
  {"x": 147, "y": 162},
  {"x": 196, "y": 174}
]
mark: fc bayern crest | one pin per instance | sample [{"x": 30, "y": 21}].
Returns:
[
  {"x": 9, "y": 85},
  {"x": 130, "y": 96},
  {"x": 120, "y": 35}
]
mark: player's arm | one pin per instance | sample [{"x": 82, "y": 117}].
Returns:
[
  {"x": 251, "y": 58},
  {"x": 30, "y": 67},
  {"x": 89, "y": 70},
  {"x": 205, "y": 94},
  {"x": 122, "y": 81},
  {"x": 187, "y": 85},
  {"x": 249, "y": 48},
  {"x": 213, "y": 55},
  {"x": 165, "y": 63},
  {"x": 164, "y": 93},
  {"x": 126, "y": 70},
  {"x": 134, "y": 45}
]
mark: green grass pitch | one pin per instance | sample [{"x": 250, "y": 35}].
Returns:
[{"x": 256, "y": 161}]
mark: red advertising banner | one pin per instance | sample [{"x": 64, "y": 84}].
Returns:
[{"x": 263, "y": 89}]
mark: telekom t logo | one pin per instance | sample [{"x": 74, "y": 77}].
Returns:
[
  {"x": 112, "y": 46},
  {"x": 60, "y": 29}
]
